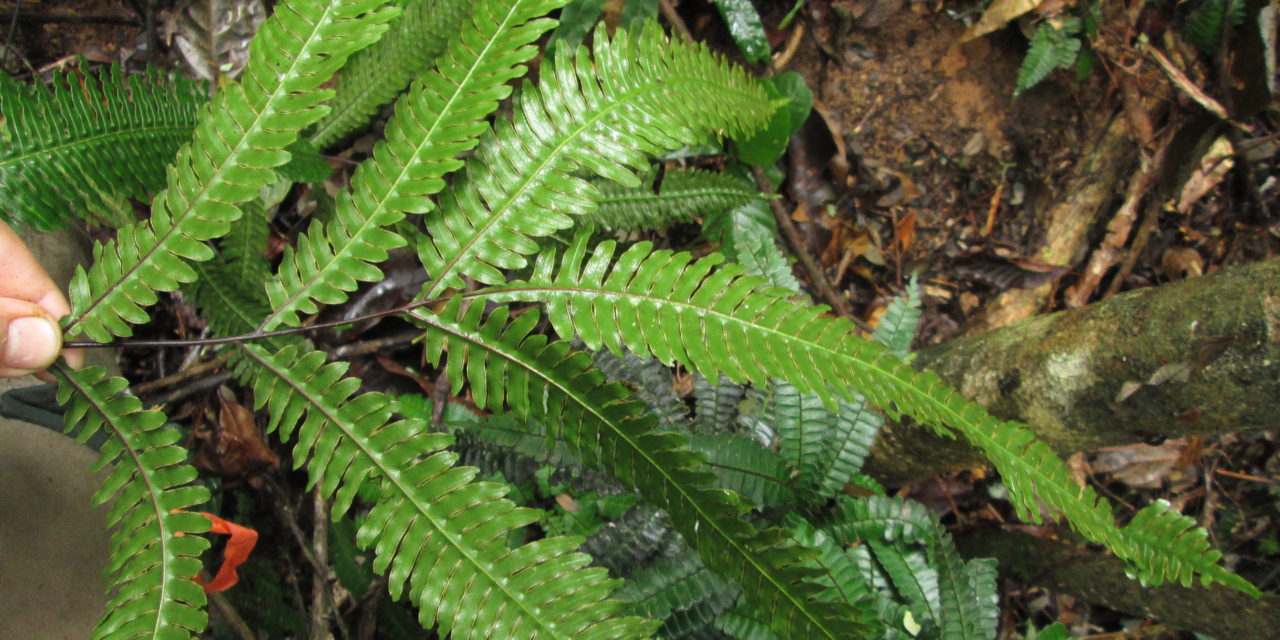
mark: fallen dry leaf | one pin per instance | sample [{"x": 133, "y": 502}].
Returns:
[{"x": 997, "y": 15}]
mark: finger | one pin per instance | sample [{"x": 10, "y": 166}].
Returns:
[
  {"x": 30, "y": 338},
  {"x": 24, "y": 279}
]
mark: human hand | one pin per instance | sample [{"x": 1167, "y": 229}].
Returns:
[{"x": 30, "y": 305}]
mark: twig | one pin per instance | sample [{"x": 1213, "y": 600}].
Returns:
[
  {"x": 180, "y": 376},
  {"x": 792, "y": 236},
  {"x": 677, "y": 23},
  {"x": 62, "y": 17},
  {"x": 377, "y": 344},
  {"x": 193, "y": 388},
  {"x": 223, "y": 608},
  {"x": 368, "y": 624},
  {"x": 793, "y": 44},
  {"x": 320, "y": 602}
]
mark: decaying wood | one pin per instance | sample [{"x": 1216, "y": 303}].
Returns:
[
  {"x": 1205, "y": 353},
  {"x": 1066, "y": 232}
]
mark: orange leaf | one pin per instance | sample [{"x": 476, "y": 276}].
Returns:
[{"x": 234, "y": 554}]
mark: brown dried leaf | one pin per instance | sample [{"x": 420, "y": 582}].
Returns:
[
  {"x": 235, "y": 447},
  {"x": 998, "y": 14}
]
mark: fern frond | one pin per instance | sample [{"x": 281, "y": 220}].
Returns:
[
  {"x": 761, "y": 257},
  {"x": 154, "y": 558},
  {"x": 803, "y": 425},
  {"x": 897, "y": 327},
  {"x": 717, "y": 403},
  {"x": 504, "y": 364},
  {"x": 433, "y": 520},
  {"x": 685, "y": 195},
  {"x": 744, "y": 466},
  {"x": 1203, "y": 26},
  {"x": 374, "y": 76},
  {"x": 1052, "y": 47},
  {"x": 668, "y": 306},
  {"x": 841, "y": 577},
  {"x": 852, "y": 433},
  {"x": 240, "y": 137},
  {"x": 88, "y": 142},
  {"x": 442, "y": 115},
  {"x": 601, "y": 114},
  {"x": 1158, "y": 526},
  {"x": 889, "y": 518}
]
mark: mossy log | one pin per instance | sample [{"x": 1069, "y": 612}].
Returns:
[{"x": 1200, "y": 356}]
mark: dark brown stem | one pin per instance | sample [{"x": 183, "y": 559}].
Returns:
[
  {"x": 256, "y": 335},
  {"x": 321, "y": 611},
  {"x": 224, "y": 610},
  {"x": 677, "y": 23},
  {"x": 792, "y": 236},
  {"x": 368, "y": 625}
]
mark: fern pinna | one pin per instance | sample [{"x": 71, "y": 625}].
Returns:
[{"x": 574, "y": 148}]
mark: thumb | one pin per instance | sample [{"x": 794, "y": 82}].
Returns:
[{"x": 29, "y": 341}]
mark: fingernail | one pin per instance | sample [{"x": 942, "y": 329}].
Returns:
[{"x": 33, "y": 343}]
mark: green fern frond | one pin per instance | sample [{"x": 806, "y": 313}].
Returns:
[
  {"x": 240, "y": 137},
  {"x": 1158, "y": 526},
  {"x": 668, "y": 306},
  {"x": 601, "y": 114},
  {"x": 503, "y": 363},
  {"x": 1052, "y": 47},
  {"x": 89, "y": 142},
  {"x": 890, "y": 518},
  {"x": 897, "y": 327},
  {"x": 849, "y": 439},
  {"x": 441, "y": 116},
  {"x": 154, "y": 558},
  {"x": 374, "y": 76},
  {"x": 433, "y": 519},
  {"x": 760, "y": 255},
  {"x": 684, "y": 195},
  {"x": 745, "y": 467},
  {"x": 969, "y": 604}
]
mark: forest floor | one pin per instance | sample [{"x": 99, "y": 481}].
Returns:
[{"x": 918, "y": 160}]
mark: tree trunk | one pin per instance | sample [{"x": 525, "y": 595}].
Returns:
[
  {"x": 1200, "y": 356},
  {"x": 1099, "y": 579}
]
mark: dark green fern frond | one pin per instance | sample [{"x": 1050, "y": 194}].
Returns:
[
  {"x": 744, "y": 466},
  {"x": 760, "y": 255},
  {"x": 666, "y": 305},
  {"x": 154, "y": 557},
  {"x": 1203, "y": 26},
  {"x": 890, "y": 518},
  {"x": 652, "y": 382},
  {"x": 600, "y": 114},
  {"x": 684, "y": 195},
  {"x": 503, "y": 363},
  {"x": 671, "y": 584},
  {"x": 373, "y": 77},
  {"x": 432, "y": 518},
  {"x": 240, "y": 137},
  {"x": 90, "y": 141},
  {"x": 853, "y": 430},
  {"x": 441, "y": 116},
  {"x": 717, "y": 403},
  {"x": 841, "y": 577}
]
